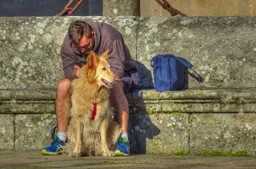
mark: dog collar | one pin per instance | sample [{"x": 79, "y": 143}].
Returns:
[{"x": 94, "y": 111}]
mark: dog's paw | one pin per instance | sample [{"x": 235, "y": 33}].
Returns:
[
  {"x": 108, "y": 154},
  {"x": 75, "y": 154}
]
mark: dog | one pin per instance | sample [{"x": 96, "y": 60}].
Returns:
[{"x": 92, "y": 130}]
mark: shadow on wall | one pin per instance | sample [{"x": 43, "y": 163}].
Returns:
[
  {"x": 193, "y": 74},
  {"x": 141, "y": 127},
  {"x": 146, "y": 80}
]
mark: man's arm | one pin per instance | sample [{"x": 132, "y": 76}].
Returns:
[
  {"x": 116, "y": 57},
  {"x": 68, "y": 63},
  {"x": 68, "y": 59}
]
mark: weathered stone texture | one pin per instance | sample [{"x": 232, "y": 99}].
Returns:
[
  {"x": 221, "y": 49},
  {"x": 194, "y": 101},
  {"x": 121, "y": 8},
  {"x": 28, "y": 44},
  {"x": 221, "y": 52},
  {"x": 6, "y": 132},
  {"x": 28, "y": 107},
  {"x": 159, "y": 133},
  {"x": 33, "y": 131},
  {"x": 27, "y": 101},
  {"x": 226, "y": 133},
  {"x": 30, "y": 56},
  {"x": 202, "y": 8}
]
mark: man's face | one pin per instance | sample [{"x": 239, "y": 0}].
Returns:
[{"x": 86, "y": 44}]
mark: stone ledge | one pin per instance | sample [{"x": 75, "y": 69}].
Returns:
[
  {"x": 195, "y": 101},
  {"x": 27, "y": 94},
  {"x": 223, "y": 95},
  {"x": 27, "y": 101},
  {"x": 142, "y": 101}
]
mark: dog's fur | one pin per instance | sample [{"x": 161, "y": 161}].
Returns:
[{"x": 98, "y": 136}]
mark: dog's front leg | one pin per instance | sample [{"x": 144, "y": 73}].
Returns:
[
  {"x": 103, "y": 135},
  {"x": 79, "y": 132}
]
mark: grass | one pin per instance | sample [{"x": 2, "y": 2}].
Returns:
[{"x": 180, "y": 153}]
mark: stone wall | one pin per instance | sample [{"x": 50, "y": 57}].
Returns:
[
  {"x": 201, "y": 7},
  {"x": 30, "y": 48},
  {"x": 213, "y": 115},
  {"x": 121, "y": 8},
  {"x": 220, "y": 49}
]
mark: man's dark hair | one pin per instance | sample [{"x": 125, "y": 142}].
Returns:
[{"x": 77, "y": 29}]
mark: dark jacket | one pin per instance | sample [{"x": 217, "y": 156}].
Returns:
[{"x": 107, "y": 37}]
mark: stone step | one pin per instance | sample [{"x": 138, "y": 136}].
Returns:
[{"x": 142, "y": 101}]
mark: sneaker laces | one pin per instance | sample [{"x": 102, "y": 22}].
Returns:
[
  {"x": 58, "y": 142},
  {"x": 59, "y": 146}
]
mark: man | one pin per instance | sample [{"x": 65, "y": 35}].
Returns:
[{"x": 82, "y": 37}]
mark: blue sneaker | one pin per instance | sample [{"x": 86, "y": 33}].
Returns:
[
  {"x": 55, "y": 148},
  {"x": 122, "y": 148}
]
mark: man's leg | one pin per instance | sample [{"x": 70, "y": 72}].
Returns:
[
  {"x": 121, "y": 107},
  {"x": 120, "y": 103},
  {"x": 62, "y": 111},
  {"x": 63, "y": 104}
]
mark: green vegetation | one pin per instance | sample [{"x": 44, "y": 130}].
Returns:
[
  {"x": 180, "y": 153},
  {"x": 46, "y": 113},
  {"x": 178, "y": 112},
  {"x": 150, "y": 112}
]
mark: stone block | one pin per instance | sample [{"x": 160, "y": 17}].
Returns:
[
  {"x": 6, "y": 132},
  {"x": 221, "y": 49},
  {"x": 224, "y": 133},
  {"x": 159, "y": 134},
  {"x": 121, "y": 8},
  {"x": 194, "y": 101},
  {"x": 30, "y": 46},
  {"x": 33, "y": 131},
  {"x": 27, "y": 101}
]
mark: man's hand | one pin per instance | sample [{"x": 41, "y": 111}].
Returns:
[{"x": 77, "y": 71}]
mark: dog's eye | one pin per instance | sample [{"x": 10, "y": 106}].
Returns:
[{"x": 104, "y": 69}]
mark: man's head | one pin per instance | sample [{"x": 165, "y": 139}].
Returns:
[{"x": 82, "y": 36}]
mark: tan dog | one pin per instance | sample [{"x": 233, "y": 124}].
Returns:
[{"x": 89, "y": 133}]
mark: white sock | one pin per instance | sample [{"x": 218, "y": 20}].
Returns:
[
  {"x": 62, "y": 136},
  {"x": 125, "y": 135}
]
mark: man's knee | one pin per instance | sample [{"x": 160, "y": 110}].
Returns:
[{"x": 64, "y": 87}]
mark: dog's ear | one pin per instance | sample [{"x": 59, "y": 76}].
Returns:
[
  {"x": 105, "y": 55},
  {"x": 92, "y": 62},
  {"x": 92, "y": 59}
]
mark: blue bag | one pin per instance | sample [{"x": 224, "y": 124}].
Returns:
[{"x": 169, "y": 72}]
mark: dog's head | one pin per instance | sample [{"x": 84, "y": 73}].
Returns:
[{"x": 98, "y": 70}]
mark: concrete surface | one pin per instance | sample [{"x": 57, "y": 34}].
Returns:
[
  {"x": 121, "y": 7},
  {"x": 34, "y": 160},
  {"x": 201, "y": 7}
]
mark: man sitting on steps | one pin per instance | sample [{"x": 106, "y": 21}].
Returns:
[{"x": 82, "y": 37}]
